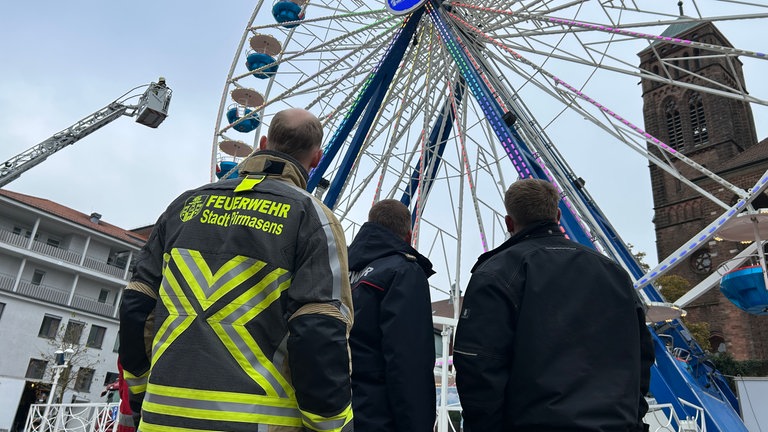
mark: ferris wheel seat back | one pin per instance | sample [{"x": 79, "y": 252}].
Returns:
[
  {"x": 225, "y": 167},
  {"x": 745, "y": 288},
  {"x": 287, "y": 11},
  {"x": 248, "y": 125},
  {"x": 258, "y": 60}
]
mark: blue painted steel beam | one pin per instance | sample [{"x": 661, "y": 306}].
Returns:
[{"x": 378, "y": 81}]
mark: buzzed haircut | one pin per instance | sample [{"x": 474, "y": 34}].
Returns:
[
  {"x": 531, "y": 200},
  {"x": 295, "y": 135},
  {"x": 393, "y": 215}
]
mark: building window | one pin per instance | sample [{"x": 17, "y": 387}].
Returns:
[
  {"x": 118, "y": 258},
  {"x": 116, "y": 347},
  {"x": 674, "y": 125},
  {"x": 84, "y": 379},
  {"x": 37, "y": 277},
  {"x": 73, "y": 332},
  {"x": 96, "y": 336},
  {"x": 701, "y": 261},
  {"x": 49, "y": 327},
  {"x": 103, "y": 295},
  {"x": 36, "y": 368},
  {"x": 53, "y": 242},
  {"x": 698, "y": 120},
  {"x": 22, "y": 231},
  {"x": 2, "y": 308}
]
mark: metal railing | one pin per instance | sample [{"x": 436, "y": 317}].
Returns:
[
  {"x": 80, "y": 417},
  {"x": 6, "y": 282},
  {"x": 43, "y": 292},
  {"x": 62, "y": 254},
  {"x": 103, "y": 267},
  {"x": 56, "y": 252},
  {"x": 91, "y": 305},
  {"x": 14, "y": 239}
]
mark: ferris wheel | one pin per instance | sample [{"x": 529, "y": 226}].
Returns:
[
  {"x": 442, "y": 108},
  {"x": 442, "y": 104}
]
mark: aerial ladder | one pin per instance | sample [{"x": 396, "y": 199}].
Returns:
[{"x": 151, "y": 110}]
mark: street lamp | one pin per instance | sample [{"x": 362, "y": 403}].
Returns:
[{"x": 62, "y": 362}]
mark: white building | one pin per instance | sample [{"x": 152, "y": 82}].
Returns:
[{"x": 61, "y": 279}]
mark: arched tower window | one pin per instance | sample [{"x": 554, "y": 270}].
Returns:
[
  {"x": 698, "y": 120},
  {"x": 674, "y": 125}
]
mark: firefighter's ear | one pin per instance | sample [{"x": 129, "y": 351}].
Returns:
[
  {"x": 263, "y": 142},
  {"x": 316, "y": 158}
]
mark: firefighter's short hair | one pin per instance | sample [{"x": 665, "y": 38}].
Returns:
[
  {"x": 393, "y": 215},
  {"x": 295, "y": 132},
  {"x": 531, "y": 200}
]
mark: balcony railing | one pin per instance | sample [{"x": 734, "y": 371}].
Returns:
[
  {"x": 14, "y": 239},
  {"x": 91, "y": 305},
  {"x": 103, "y": 267},
  {"x": 62, "y": 254},
  {"x": 65, "y": 254},
  {"x": 43, "y": 292},
  {"x": 6, "y": 282}
]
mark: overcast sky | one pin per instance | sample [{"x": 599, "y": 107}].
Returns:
[{"x": 64, "y": 60}]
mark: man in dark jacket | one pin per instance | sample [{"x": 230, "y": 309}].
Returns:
[
  {"x": 552, "y": 335},
  {"x": 392, "y": 342}
]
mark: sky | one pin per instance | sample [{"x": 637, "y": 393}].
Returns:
[{"x": 61, "y": 61}]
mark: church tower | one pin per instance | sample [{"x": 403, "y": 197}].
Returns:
[{"x": 719, "y": 133}]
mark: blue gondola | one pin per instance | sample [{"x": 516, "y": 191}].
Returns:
[
  {"x": 258, "y": 60},
  {"x": 225, "y": 167},
  {"x": 248, "y": 125},
  {"x": 287, "y": 11},
  {"x": 745, "y": 288}
]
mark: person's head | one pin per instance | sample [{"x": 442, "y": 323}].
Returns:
[
  {"x": 393, "y": 215},
  {"x": 529, "y": 201},
  {"x": 297, "y": 133}
]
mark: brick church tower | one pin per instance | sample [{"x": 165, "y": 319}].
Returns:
[{"x": 718, "y": 133}]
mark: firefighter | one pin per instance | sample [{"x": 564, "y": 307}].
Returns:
[{"x": 248, "y": 282}]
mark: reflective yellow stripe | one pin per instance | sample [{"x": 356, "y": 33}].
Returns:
[
  {"x": 327, "y": 424},
  {"x": 239, "y": 327},
  {"x": 221, "y": 396},
  {"x": 149, "y": 427},
  {"x": 220, "y": 406},
  {"x": 136, "y": 384},
  {"x": 161, "y": 342},
  {"x": 248, "y": 183},
  {"x": 211, "y": 280}
]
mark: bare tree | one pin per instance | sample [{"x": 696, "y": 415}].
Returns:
[{"x": 81, "y": 360}]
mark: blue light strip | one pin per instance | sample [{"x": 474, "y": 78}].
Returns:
[{"x": 515, "y": 148}]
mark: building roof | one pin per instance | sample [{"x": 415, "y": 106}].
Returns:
[
  {"x": 756, "y": 153},
  {"x": 444, "y": 308},
  {"x": 137, "y": 238}
]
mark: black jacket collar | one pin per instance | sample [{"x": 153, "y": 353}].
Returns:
[{"x": 538, "y": 229}]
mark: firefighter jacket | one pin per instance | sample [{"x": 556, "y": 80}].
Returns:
[
  {"x": 249, "y": 285},
  {"x": 551, "y": 337},
  {"x": 392, "y": 341}
]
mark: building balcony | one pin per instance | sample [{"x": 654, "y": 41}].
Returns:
[
  {"x": 103, "y": 267},
  {"x": 57, "y": 296},
  {"x": 14, "y": 239},
  {"x": 6, "y": 282},
  {"x": 62, "y": 254},
  {"x": 52, "y": 251},
  {"x": 92, "y": 305},
  {"x": 43, "y": 292}
]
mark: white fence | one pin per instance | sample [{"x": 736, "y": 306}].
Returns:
[{"x": 80, "y": 417}]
